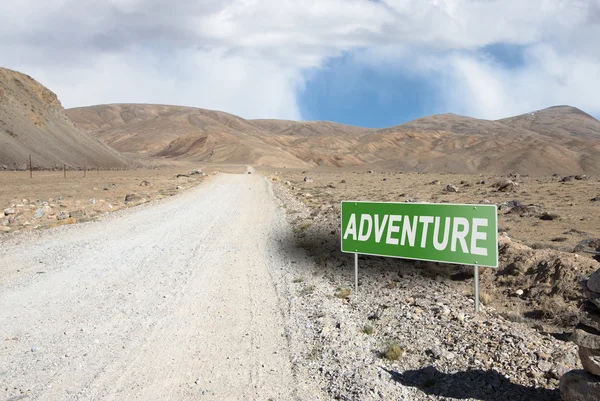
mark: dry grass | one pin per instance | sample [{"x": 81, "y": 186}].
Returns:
[
  {"x": 392, "y": 352},
  {"x": 342, "y": 293}
]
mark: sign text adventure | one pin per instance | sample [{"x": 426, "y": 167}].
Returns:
[{"x": 463, "y": 234}]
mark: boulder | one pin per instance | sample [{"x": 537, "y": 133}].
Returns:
[
  {"x": 590, "y": 315},
  {"x": 593, "y": 283},
  {"x": 585, "y": 336},
  {"x": 579, "y": 385},
  {"x": 590, "y": 360}
]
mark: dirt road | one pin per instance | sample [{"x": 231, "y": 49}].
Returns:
[{"x": 173, "y": 301}]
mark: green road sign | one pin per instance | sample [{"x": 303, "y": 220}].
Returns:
[{"x": 462, "y": 234}]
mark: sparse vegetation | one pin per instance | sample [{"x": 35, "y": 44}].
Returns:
[
  {"x": 368, "y": 329},
  {"x": 342, "y": 292},
  {"x": 298, "y": 280},
  {"x": 309, "y": 289},
  {"x": 485, "y": 298},
  {"x": 303, "y": 226},
  {"x": 392, "y": 352}
]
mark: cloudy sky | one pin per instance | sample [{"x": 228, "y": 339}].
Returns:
[{"x": 365, "y": 62}]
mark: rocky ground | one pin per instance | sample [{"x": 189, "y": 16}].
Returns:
[
  {"x": 50, "y": 200},
  {"x": 411, "y": 332}
]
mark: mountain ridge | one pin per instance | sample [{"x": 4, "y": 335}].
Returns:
[{"x": 560, "y": 139}]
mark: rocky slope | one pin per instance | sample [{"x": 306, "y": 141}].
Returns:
[
  {"x": 561, "y": 140},
  {"x": 410, "y": 333},
  {"x": 32, "y": 121}
]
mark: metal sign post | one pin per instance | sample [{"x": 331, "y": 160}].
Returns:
[
  {"x": 476, "y": 289},
  {"x": 356, "y": 274}
]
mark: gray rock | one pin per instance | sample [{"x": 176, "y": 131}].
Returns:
[
  {"x": 196, "y": 172},
  {"x": 586, "y": 337},
  {"x": 9, "y": 211},
  {"x": 590, "y": 315},
  {"x": 63, "y": 215},
  {"x": 308, "y": 179},
  {"x": 39, "y": 213},
  {"x": 132, "y": 198},
  {"x": 549, "y": 216},
  {"x": 77, "y": 214},
  {"x": 596, "y": 199},
  {"x": 505, "y": 186},
  {"x": 593, "y": 283},
  {"x": 92, "y": 201},
  {"x": 450, "y": 188},
  {"x": 579, "y": 385},
  {"x": 590, "y": 360}
]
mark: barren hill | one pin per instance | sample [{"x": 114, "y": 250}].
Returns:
[
  {"x": 32, "y": 121},
  {"x": 561, "y": 140},
  {"x": 181, "y": 132}
]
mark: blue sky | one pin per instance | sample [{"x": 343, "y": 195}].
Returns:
[{"x": 368, "y": 63}]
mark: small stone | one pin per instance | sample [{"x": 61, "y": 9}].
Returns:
[
  {"x": 39, "y": 213},
  {"x": 544, "y": 366},
  {"x": 450, "y": 188},
  {"x": 9, "y": 211},
  {"x": 132, "y": 198},
  {"x": 579, "y": 385},
  {"x": 595, "y": 199},
  {"x": 4, "y": 229},
  {"x": 549, "y": 216},
  {"x": 77, "y": 214},
  {"x": 308, "y": 179},
  {"x": 505, "y": 186},
  {"x": 586, "y": 337},
  {"x": 63, "y": 215},
  {"x": 435, "y": 182},
  {"x": 92, "y": 201},
  {"x": 590, "y": 360},
  {"x": 288, "y": 183},
  {"x": 145, "y": 183},
  {"x": 519, "y": 292}
]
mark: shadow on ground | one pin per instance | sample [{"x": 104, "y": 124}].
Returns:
[
  {"x": 473, "y": 384},
  {"x": 323, "y": 247}
]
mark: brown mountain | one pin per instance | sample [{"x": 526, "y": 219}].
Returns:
[
  {"x": 32, "y": 121},
  {"x": 182, "y": 133},
  {"x": 556, "y": 140}
]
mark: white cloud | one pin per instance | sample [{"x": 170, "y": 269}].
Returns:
[{"x": 250, "y": 57}]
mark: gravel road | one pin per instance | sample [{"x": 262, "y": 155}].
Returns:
[{"x": 172, "y": 301}]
